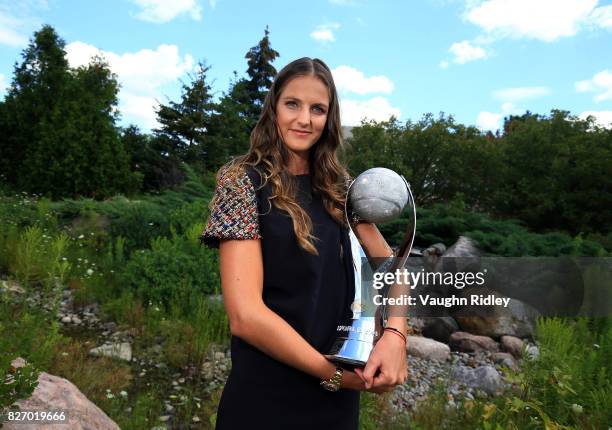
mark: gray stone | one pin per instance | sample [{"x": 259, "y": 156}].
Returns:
[
  {"x": 122, "y": 351},
  {"x": 427, "y": 348},
  {"x": 504, "y": 359},
  {"x": 485, "y": 378}
]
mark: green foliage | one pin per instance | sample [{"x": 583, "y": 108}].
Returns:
[
  {"x": 60, "y": 137},
  {"x": 184, "y": 125},
  {"x": 568, "y": 386},
  {"x": 446, "y": 222},
  {"x": 550, "y": 172},
  {"x": 176, "y": 270}
]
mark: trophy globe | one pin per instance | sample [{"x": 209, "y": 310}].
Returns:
[{"x": 379, "y": 195}]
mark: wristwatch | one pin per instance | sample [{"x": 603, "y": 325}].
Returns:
[{"x": 333, "y": 383}]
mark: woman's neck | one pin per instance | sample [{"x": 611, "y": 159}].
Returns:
[{"x": 298, "y": 165}]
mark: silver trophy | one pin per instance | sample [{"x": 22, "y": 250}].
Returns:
[{"x": 377, "y": 195}]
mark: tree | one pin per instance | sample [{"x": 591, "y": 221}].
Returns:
[
  {"x": 185, "y": 124},
  {"x": 39, "y": 85},
  {"x": 62, "y": 140},
  {"x": 261, "y": 73}
]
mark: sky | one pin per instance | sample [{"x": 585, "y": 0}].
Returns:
[{"x": 477, "y": 60}]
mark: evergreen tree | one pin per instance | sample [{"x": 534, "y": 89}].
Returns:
[
  {"x": 62, "y": 140},
  {"x": 261, "y": 73},
  {"x": 39, "y": 85},
  {"x": 184, "y": 125}
]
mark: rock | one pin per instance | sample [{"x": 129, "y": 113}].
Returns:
[
  {"x": 439, "y": 328},
  {"x": 54, "y": 393},
  {"x": 486, "y": 378},
  {"x": 466, "y": 342},
  {"x": 518, "y": 319},
  {"x": 66, "y": 320},
  {"x": 513, "y": 345},
  {"x": 122, "y": 351},
  {"x": 504, "y": 359},
  {"x": 110, "y": 326},
  {"x": 427, "y": 348},
  {"x": 76, "y": 320},
  {"x": 13, "y": 287}
]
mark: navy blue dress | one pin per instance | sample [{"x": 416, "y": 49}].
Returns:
[{"x": 312, "y": 293}]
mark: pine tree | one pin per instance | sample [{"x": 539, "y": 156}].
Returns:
[
  {"x": 261, "y": 73},
  {"x": 184, "y": 125}
]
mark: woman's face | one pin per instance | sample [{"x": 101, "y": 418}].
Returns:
[{"x": 301, "y": 113}]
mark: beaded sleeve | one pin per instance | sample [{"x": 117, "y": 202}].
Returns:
[{"x": 233, "y": 211}]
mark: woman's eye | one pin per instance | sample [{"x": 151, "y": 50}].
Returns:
[
  {"x": 319, "y": 109},
  {"x": 291, "y": 104}
]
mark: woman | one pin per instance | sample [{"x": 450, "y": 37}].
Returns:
[{"x": 286, "y": 266}]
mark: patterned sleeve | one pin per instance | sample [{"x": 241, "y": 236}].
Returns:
[
  {"x": 353, "y": 217},
  {"x": 233, "y": 211}
]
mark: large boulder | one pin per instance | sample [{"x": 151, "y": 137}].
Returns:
[
  {"x": 53, "y": 394},
  {"x": 427, "y": 348},
  {"x": 517, "y": 319}
]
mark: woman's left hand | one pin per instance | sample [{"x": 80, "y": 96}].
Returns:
[{"x": 387, "y": 365}]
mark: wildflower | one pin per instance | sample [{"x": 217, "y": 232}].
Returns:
[
  {"x": 64, "y": 258},
  {"x": 123, "y": 393},
  {"x": 596, "y": 346},
  {"x": 81, "y": 236},
  {"x": 110, "y": 396},
  {"x": 89, "y": 272},
  {"x": 577, "y": 409},
  {"x": 156, "y": 309}
]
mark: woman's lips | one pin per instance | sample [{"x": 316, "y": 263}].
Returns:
[{"x": 301, "y": 133}]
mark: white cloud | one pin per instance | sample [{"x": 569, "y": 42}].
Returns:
[
  {"x": 12, "y": 31},
  {"x": 488, "y": 120},
  {"x": 160, "y": 11},
  {"x": 142, "y": 71},
  {"x": 602, "y": 118},
  {"x": 520, "y": 93},
  {"x": 3, "y": 84},
  {"x": 602, "y": 16},
  {"x": 139, "y": 110},
  {"x": 491, "y": 121},
  {"x": 601, "y": 84},
  {"x": 141, "y": 75},
  {"x": 351, "y": 80},
  {"x": 545, "y": 20},
  {"x": 325, "y": 32},
  {"x": 376, "y": 108},
  {"x": 464, "y": 52}
]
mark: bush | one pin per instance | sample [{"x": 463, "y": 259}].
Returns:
[{"x": 174, "y": 270}]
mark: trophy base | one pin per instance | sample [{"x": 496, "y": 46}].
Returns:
[{"x": 346, "y": 362}]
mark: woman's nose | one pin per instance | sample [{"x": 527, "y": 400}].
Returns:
[{"x": 304, "y": 117}]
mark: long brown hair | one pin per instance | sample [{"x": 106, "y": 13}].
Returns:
[{"x": 268, "y": 152}]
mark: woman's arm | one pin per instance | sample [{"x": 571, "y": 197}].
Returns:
[{"x": 255, "y": 323}]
